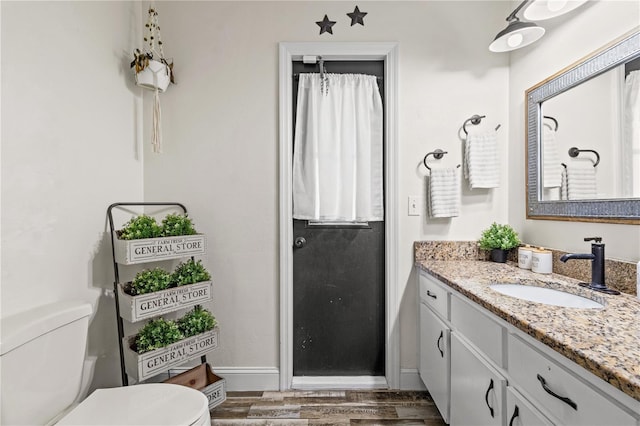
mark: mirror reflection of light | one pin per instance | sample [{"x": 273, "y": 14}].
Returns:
[
  {"x": 539, "y": 10},
  {"x": 556, "y": 5},
  {"x": 514, "y": 40}
]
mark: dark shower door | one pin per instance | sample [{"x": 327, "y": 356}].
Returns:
[{"x": 339, "y": 283}]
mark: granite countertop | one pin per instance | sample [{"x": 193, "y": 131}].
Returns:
[{"x": 604, "y": 341}]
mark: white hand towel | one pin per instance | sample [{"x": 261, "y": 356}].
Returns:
[
  {"x": 444, "y": 193},
  {"x": 581, "y": 181},
  {"x": 552, "y": 169},
  {"x": 481, "y": 159}
]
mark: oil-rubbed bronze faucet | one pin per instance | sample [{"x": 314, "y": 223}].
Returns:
[{"x": 597, "y": 265}]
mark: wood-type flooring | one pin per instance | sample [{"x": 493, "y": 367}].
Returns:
[{"x": 350, "y": 407}]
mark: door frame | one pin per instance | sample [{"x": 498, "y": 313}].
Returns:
[{"x": 346, "y": 51}]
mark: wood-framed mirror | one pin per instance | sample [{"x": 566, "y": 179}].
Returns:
[{"x": 583, "y": 138}]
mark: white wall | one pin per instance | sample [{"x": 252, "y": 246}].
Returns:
[
  {"x": 70, "y": 121},
  {"x": 221, "y": 139},
  {"x": 568, "y": 38},
  {"x": 71, "y": 145}
]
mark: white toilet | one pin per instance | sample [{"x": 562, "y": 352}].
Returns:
[{"x": 42, "y": 353}]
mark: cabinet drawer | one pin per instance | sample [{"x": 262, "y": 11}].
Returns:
[
  {"x": 574, "y": 403},
  {"x": 520, "y": 412},
  {"x": 488, "y": 335},
  {"x": 434, "y": 295}
]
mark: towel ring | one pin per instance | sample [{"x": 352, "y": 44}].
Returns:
[
  {"x": 437, "y": 154},
  {"x": 555, "y": 122},
  {"x": 475, "y": 120},
  {"x": 574, "y": 152}
]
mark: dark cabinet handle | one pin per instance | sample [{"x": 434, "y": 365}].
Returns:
[
  {"x": 486, "y": 397},
  {"x": 516, "y": 413},
  {"x": 564, "y": 399},
  {"x": 438, "y": 343},
  {"x": 431, "y": 294}
]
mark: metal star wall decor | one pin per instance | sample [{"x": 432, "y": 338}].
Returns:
[
  {"x": 357, "y": 17},
  {"x": 325, "y": 25}
]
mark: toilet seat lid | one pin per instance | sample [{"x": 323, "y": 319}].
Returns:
[{"x": 157, "y": 404}]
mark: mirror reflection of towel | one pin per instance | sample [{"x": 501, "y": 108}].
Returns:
[
  {"x": 552, "y": 169},
  {"x": 580, "y": 182}
]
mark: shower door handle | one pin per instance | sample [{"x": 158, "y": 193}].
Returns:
[{"x": 299, "y": 242}]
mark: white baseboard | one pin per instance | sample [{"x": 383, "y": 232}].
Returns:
[
  {"x": 268, "y": 379},
  {"x": 246, "y": 378},
  {"x": 410, "y": 380},
  {"x": 250, "y": 378}
]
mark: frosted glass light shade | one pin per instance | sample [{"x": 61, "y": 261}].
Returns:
[
  {"x": 517, "y": 34},
  {"x": 539, "y": 10}
]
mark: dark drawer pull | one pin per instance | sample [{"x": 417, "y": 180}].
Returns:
[
  {"x": 564, "y": 399},
  {"x": 486, "y": 397},
  {"x": 438, "y": 343},
  {"x": 516, "y": 413},
  {"x": 431, "y": 294}
]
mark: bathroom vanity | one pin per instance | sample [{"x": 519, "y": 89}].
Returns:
[{"x": 491, "y": 359}]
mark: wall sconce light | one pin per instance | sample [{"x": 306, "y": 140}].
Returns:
[{"x": 519, "y": 34}]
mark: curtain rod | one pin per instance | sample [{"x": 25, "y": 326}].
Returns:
[{"x": 297, "y": 75}]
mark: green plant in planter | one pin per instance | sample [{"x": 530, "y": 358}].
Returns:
[
  {"x": 497, "y": 236},
  {"x": 139, "y": 227},
  {"x": 196, "y": 321},
  {"x": 148, "y": 281},
  {"x": 157, "y": 334},
  {"x": 189, "y": 272},
  {"x": 177, "y": 224}
]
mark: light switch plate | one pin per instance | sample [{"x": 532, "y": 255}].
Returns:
[{"x": 415, "y": 202}]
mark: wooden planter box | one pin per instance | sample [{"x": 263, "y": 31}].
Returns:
[
  {"x": 206, "y": 381},
  {"x": 130, "y": 252},
  {"x": 144, "y": 306},
  {"x": 148, "y": 364}
]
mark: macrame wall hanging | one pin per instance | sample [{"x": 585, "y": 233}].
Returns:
[{"x": 153, "y": 72}]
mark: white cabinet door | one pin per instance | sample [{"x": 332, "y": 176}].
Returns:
[
  {"x": 477, "y": 389},
  {"x": 434, "y": 358},
  {"x": 520, "y": 412}
]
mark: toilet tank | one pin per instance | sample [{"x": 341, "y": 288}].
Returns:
[{"x": 42, "y": 353}]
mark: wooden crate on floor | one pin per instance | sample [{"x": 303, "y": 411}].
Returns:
[{"x": 206, "y": 381}]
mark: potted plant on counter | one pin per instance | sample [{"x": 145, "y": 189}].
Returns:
[{"x": 499, "y": 239}]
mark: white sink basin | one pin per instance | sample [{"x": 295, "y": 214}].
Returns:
[{"x": 548, "y": 296}]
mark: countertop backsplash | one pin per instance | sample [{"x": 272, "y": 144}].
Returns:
[{"x": 619, "y": 275}]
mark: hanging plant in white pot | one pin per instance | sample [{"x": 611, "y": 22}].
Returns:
[{"x": 153, "y": 72}]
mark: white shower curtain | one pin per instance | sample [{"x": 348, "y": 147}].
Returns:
[
  {"x": 630, "y": 150},
  {"x": 337, "y": 161}
]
